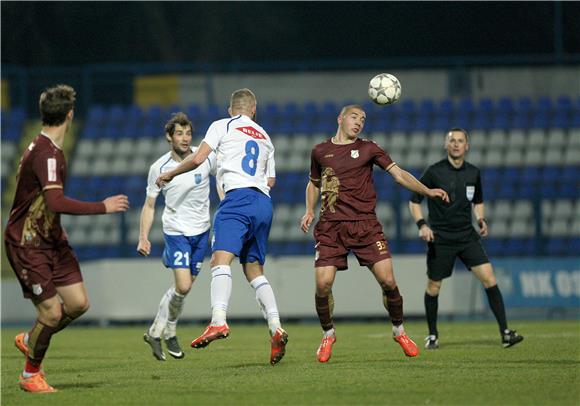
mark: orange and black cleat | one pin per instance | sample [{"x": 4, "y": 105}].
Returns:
[
  {"x": 409, "y": 347},
  {"x": 210, "y": 334},
  {"x": 279, "y": 341},
  {"x": 325, "y": 350}
]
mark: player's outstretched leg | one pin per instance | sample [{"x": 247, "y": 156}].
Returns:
[
  {"x": 279, "y": 341},
  {"x": 173, "y": 347},
  {"x": 211, "y": 333},
  {"x": 510, "y": 338},
  {"x": 155, "y": 344}
]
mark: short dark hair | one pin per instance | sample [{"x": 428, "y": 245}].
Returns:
[
  {"x": 177, "y": 118},
  {"x": 460, "y": 130},
  {"x": 55, "y": 103}
]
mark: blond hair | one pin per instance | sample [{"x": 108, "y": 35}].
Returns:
[
  {"x": 242, "y": 100},
  {"x": 349, "y": 107}
]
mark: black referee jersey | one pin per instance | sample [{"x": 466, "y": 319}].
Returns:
[{"x": 452, "y": 221}]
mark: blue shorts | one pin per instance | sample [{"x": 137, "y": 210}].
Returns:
[
  {"x": 185, "y": 252},
  {"x": 242, "y": 225}
]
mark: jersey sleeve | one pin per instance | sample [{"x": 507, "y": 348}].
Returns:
[
  {"x": 315, "y": 169},
  {"x": 271, "y": 166},
  {"x": 426, "y": 180},
  {"x": 478, "y": 196},
  {"x": 48, "y": 169},
  {"x": 381, "y": 157},
  {"x": 213, "y": 135},
  {"x": 152, "y": 189}
]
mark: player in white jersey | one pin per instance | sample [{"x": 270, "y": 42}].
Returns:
[
  {"x": 246, "y": 172},
  {"x": 186, "y": 223}
]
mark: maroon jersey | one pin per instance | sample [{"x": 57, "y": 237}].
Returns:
[
  {"x": 345, "y": 175},
  {"x": 31, "y": 223}
]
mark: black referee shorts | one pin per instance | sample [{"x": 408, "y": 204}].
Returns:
[{"x": 441, "y": 257}]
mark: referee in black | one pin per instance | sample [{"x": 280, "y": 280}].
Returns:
[{"x": 449, "y": 233}]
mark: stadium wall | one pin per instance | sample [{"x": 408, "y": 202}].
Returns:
[{"x": 129, "y": 290}]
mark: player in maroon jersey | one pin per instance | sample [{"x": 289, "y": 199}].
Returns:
[
  {"x": 36, "y": 244},
  {"x": 341, "y": 171}
]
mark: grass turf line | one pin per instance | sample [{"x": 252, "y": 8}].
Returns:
[{"x": 98, "y": 366}]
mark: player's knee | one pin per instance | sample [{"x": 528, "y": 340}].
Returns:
[
  {"x": 433, "y": 288},
  {"x": 489, "y": 281},
  {"x": 79, "y": 308},
  {"x": 323, "y": 288},
  {"x": 388, "y": 284},
  {"x": 183, "y": 287}
]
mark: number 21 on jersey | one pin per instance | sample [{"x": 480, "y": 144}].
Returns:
[{"x": 250, "y": 160}]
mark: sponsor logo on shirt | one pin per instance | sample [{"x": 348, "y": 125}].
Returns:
[
  {"x": 197, "y": 178},
  {"x": 328, "y": 155},
  {"x": 252, "y": 132}
]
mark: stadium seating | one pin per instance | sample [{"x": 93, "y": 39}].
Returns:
[{"x": 528, "y": 151}]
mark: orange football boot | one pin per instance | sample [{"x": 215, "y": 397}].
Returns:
[
  {"x": 210, "y": 334},
  {"x": 409, "y": 347},
  {"x": 325, "y": 350},
  {"x": 279, "y": 341},
  {"x": 36, "y": 384}
]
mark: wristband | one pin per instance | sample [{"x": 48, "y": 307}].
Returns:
[{"x": 421, "y": 223}]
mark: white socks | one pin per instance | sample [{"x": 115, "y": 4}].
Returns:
[
  {"x": 398, "y": 330},
  {"x": 221, "y": 289},
  {"x": 329, "y": 333},
  {"x": 267, "y": 302},
  {"x": 170, "y": 308}
]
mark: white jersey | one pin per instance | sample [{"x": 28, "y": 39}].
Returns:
[
  {"x": 186, "y": 196},
  {"x": 245, "y": 153}
]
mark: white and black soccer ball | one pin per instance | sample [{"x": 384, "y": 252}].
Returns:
[{"x": 385, "y": 89}]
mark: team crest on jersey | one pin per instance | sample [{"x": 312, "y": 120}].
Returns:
[
  {"x": 197, "y": 178},
  {"x": 470, "y": 192},
  {"x": 354, "y": 153},
  {"x": 36, "y": 289},
  {"x": 252, "y": 132}
]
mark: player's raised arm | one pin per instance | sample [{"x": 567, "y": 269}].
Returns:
[
  {"x": 188, "y": 164},
  {"x": 408, "y": 181}
]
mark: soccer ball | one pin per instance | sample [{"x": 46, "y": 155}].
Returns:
[{"x": 385, "y": 89}]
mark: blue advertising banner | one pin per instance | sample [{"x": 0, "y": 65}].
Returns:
[{"x": 539, "y": 282}]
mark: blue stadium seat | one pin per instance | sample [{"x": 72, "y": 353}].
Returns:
[
  {"x": 520, "y": 120},
  {"x": 505, "y": 106},
  {"x": 551, "y": 175},
  {"x": 486, "y": 106},
  {"x": 446, "y": 108},
  {"x": 426, "y": 107},
  {"x": 466, "y": 106},
  {"x": 96, "y": 115},
  {"x": 524, "y": 106},
  {"x": 481, "y": 121},
  {"x": 544, "y": 105},
  {"x": 564, "y": 105},
  {"x": 501, "y": 121},
  {"x": 560, "y": 120},
  {"x": 423, "y": 122},
  {"x": 541, "y": 120}
]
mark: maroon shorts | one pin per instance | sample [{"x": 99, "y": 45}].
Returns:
[
  {"x": 335, "y": 239},
  {"x": 41, "y": 271}
]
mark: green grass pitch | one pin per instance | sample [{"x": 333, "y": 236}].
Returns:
[{"x": 113, "y": 366}]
